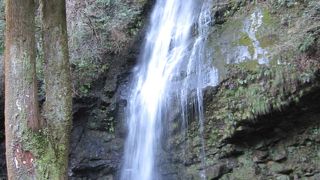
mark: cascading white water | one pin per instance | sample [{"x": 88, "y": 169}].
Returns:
[{"x": 170, "y": 52}]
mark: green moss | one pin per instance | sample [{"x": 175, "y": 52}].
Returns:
[
  {"x": 267, "y": 19},
  {"x": 245, "y": 40},
  {"x": 48, "y": 159},
  {"x": 255, "y": 90},
  {"x": 48, "y": 147},
  {"x": 268, "y": 40},
  {"x": 251, "y": 90},
  {"x": 250, "y": 65}
]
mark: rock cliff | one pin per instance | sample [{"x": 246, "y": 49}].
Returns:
[{"x": 262, "y": 119}]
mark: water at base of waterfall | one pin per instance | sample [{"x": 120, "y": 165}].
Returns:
[{"x": 173, "y": 63}]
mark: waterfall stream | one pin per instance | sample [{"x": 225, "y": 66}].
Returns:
[{"x": 173, "y": 64}]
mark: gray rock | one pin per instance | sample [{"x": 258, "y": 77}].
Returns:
[
  {"x": 279, "y": 154},
  {"x": 283, "y": 177},
  {"x": 315, "y": 177},
  {"x": 216, "y": 171},
  {"x": 260, "y": 156},
  {"x": 280, "y": 168}
]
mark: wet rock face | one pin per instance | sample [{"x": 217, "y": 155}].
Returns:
[
  {"x": 261, "y": 121},
  {"x": 280, "y": 145},
  {"x": 283, "y": 144},
  {"x": 98, "y": 132},
  {"x": 97, "y": 138},
  {"x": 95, "y": 151}
]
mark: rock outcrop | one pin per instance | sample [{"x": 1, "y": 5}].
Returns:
[
  {"x": 262, "y": 120},
  {"x": 101, "y": 79}
]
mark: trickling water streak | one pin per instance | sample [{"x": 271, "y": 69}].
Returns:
[
  {"x": 203, "y": 76},
  {"x": 169, "y": 50}
]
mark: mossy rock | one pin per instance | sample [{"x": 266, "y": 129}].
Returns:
[{"x": 251, "y": 89}]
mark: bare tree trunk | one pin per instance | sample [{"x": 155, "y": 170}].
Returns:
[
  {"x": 21, "y": 107},
  {"x": 58, "y": 105},
  {"x": 37, "y": 146}
]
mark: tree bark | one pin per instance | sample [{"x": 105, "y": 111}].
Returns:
[
  {"x": 21, "y": 105},
  {"x": 58, "y": 105},
  {"x": 37, "y": 146}
]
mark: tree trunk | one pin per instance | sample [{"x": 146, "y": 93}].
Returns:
[
  {"x": 58, "y": 105},
  {"x": 37, "y": 146},
  {"x": 21, "y": 107}
]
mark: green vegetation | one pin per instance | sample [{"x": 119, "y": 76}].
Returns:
[
  {"x": 251, "y": 90},
  {"x": 266, "y": 17},
  {"x": 268, "y": 40},
  {"x": 245, "y": 40},
  {"x": 46, "y": 158},
  {"x": 99, "y": 30},
  {"x": 309, "y": 44}
]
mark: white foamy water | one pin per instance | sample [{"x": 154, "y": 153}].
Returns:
[{"x": 173, "y": 64}]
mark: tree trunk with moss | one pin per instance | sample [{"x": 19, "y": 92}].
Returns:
[
  {"x": 58, "y": 105},
  {"x": 36, "y": 145},
  {"x": 21, "y": 108}
]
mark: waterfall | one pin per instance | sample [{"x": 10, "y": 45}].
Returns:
[{"x": 173, "y": 64}]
